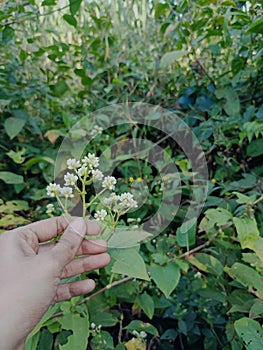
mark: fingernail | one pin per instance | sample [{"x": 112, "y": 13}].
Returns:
[{"x": 78, "y": 226}]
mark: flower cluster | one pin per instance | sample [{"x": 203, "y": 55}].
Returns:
[{"x": 82, "y": 173}]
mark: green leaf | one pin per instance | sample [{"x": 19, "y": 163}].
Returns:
[
  {"x": 207, "y": 263},
  {"x": 215, "y": 217},
  {"x": 185, "y": 234},
  {"x": 256, "y": 27},
  {"x": 247, "y": 231},
  {"x": 59, "y": 88},
  {"x": 231, "y": 102},
  {"x": 12, "y": 206},
  {"x": 127, "y": 238},
  {"x": 141, "y": 326},
  {"x": 171, "y": 57},
  {"x": 80, "y": 328},
  {"x": 11, "y": 178},
  {"x": 74, "y": 6},
  {"x": 165, "y": 277},
  {"x": 13, "y": 126},
  {"x": 247, "y": 276},
  {"x": 48, "y": 2},
  {"x": 256, "y": 310},
  {"x": 146, "y": 303},
  {"x": 28, "y": 164},
  {"x": 255, "y": 148},
  {"x": 53, "y": 309},
  {"x": 71, "y": 20},
  {"x": 251, "y": 333},
  {"x": 129, "y": 262},
  {"x": 8, "y": 34}
]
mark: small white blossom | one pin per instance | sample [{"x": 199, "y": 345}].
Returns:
[
  {"x": 134, "y": 332},
  {"x": 91, "y": 161},
  {"x": 83, "y": 170},
  {"x": 92, "y": 325},
  {"x": 67, "y": 192},
  {"x": 100, "y": 215},
  {"x": 53, "y": 189},
  {"x": 97, "y": 175},
  {"x": 143, "y": 334},
  {"x": 109, "y": 182},
  {"x": 127, "y": 201},
  {"x": 70, "y": 179},
  {"x": 50, "y": 209},
  {"x": 73, "y": 163},
  {"x": 110, "y": 200},
  {"x": 97, "y": 130}
]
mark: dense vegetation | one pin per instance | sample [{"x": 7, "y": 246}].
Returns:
[{"x": 201, "y": 60}]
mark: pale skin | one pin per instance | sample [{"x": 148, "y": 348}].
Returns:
[{"x": 31, "y": 269}]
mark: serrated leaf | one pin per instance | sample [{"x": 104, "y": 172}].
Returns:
[
  {"x": 165, "y": 277},
  {"x": 250, "y": 332},
  {"x": 129, "y": 262},
  {"x": 127, "y": 238},
  {"x": 13, "y": 126}
]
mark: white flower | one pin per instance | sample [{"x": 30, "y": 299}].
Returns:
[
  {"x": 110, "y": 200},
  {"x": 109, "y": 182},
  {"x": 97, "y": 175},
  {"x": 92, "y": 325},
  {"x": 97, "y": 130},
  {"x": 67, "y": 192},
  {"x": 50, "y": 209},
  {"x": 143, "y": 334},
  {"x": 53, "y": 189},
  {"x": 127, "y": 201},
  {"x": 83, "y": 170},
  {"x": 100, "y": 215},
  {"x": 91, "y": 161},
  {"x": 73, "y": 163},
  {"x": 70, "y": 179}
]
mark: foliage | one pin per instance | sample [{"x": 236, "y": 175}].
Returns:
[{"x": 202, "y": 285}]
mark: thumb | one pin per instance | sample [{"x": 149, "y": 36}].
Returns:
[{"x": 66, "y": 248}]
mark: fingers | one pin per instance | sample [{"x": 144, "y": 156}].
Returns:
[
  {"x": 78, "y": 266},
  {"x": 47, "y": 229},
  {"x": 66, "y": 248},
  {"x": 72, "y": 289},
  {"x": 87, "y": 247}
]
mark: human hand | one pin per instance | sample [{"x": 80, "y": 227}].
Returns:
[{"x": 31, "y": 269}]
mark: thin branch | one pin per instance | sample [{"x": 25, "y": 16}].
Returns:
[
  {"x": 38, "y": 15},
  {"x": 109, "y": 286},
  {"x": 125, "y": 279},
  {"x": 204, "y": 245}
]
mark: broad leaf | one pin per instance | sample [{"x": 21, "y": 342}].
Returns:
[
  {"x": 146, "y": 303},
  {"x": 127, "y": 238},
  {"x": 250, "y": 332},
  {"x": 171, "y": 57},
  {"x": 11, "y": 178},
  {"x": 13, "y": 126},
  {"x": 165, "y": 277},
  {"x": 207, "y": 263},
  {"x": 129, "y": 262}
]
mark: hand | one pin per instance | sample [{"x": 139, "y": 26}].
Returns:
[{"x": 31, "y": 269}]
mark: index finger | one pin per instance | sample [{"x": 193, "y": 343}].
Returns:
[{"x": 47, "y": 229}]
